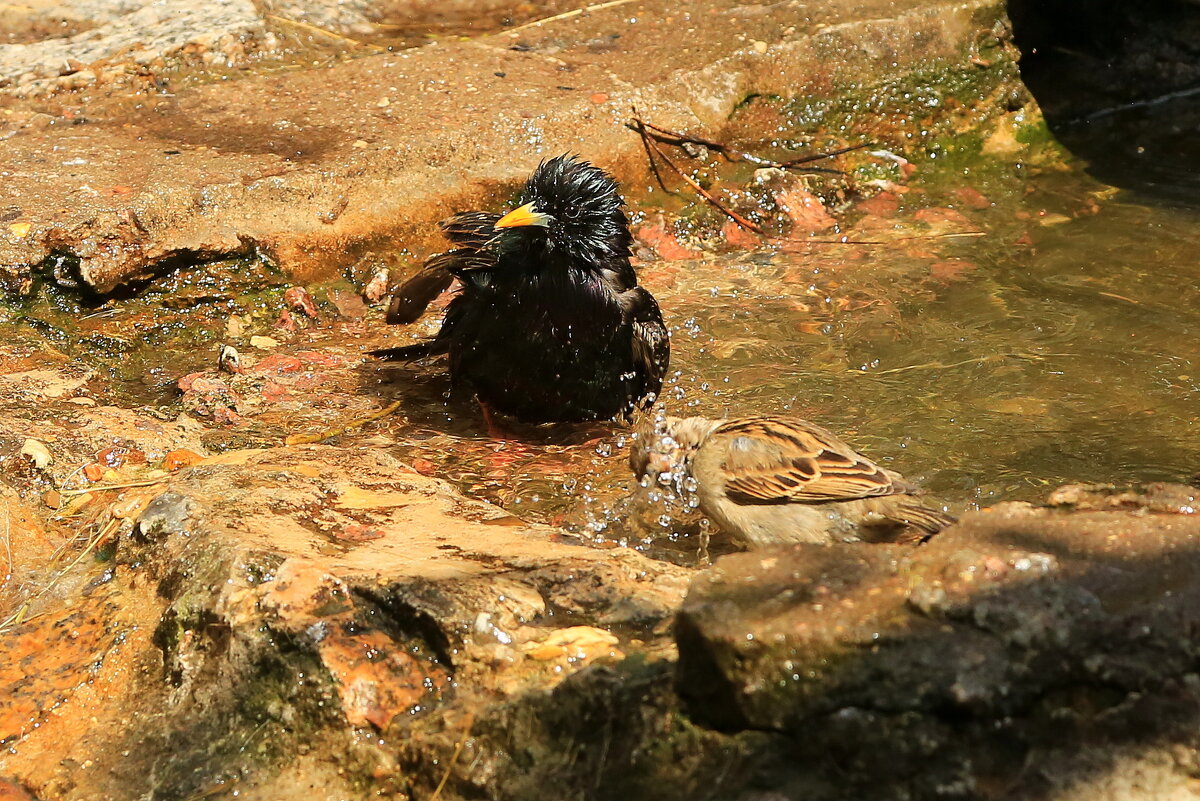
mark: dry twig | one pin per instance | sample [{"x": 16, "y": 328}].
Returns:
[
  {"x": 454, "y": 757},
  {"x": 323, "y": 32},
  {"x": 729, "y": 154},
  {"x": 937, "y": 365},
  {"x": 652, "y": 145},
  {"x": 150, "y": 482},
  {"x": 9, "y": 567},
  {"x": 652, "y": 134}
]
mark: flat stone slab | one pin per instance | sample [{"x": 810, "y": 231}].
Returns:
[{"x": 311, "y": 167}]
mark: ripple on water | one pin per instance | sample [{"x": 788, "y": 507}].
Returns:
[
  {"x": 1071, "y": 356},
  {"x": 1060, "y": 346}
]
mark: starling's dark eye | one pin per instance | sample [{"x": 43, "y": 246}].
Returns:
[{"x": 571, "y": 212}]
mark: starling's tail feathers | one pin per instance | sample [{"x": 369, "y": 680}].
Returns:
[{"x": 410, "y": 353}]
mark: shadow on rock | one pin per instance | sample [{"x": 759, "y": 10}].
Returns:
[
  {"x": 1118, "y": 85},
  {"x": 1025, "y": 653}
]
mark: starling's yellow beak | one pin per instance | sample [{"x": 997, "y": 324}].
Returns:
[{"x": 525, "y": 215}]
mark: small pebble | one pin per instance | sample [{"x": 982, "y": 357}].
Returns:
[
  {"x": 38, "y": 453},
  {"x": 377, "y": 288},
  {"x": 228, "y": 360},
  {"x": 298, "y": 298},
  {"x": 235, "y": 327}
]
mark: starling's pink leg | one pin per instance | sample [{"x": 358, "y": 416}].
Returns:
[{"x": 495, "y": 429}]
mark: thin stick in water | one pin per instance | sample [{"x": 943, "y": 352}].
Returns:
[
  {"x": 568, "y": 14},
  {"x": 306, "y": 439}
]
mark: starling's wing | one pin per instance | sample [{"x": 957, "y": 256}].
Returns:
[
  {"x": 465, "y": 262},
  {"x": 415, "y": 294},
  {"x": 651, "y": 342},
  {"x": 471, "y": 229},
  {"x": 781, "y": 460},
  {"x": 431, "y": 347},
  {"x": 471, "y": 262}
]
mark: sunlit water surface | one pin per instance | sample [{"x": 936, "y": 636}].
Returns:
[{"x": 1059, "y": 346}]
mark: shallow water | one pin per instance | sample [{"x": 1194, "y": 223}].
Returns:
[
  {"x": 1149, "y": 146},
  {"x": 1058, "y": 346}
]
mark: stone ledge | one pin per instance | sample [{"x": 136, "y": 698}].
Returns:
[{"x": 311, "y": 167}]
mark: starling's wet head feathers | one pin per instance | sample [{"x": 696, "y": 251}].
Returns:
[
  {"x": 549, "y": 323},
  {"x": 583, "y": 204}
]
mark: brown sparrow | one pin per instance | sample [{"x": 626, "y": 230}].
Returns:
[{"x": 779, "y": 480}]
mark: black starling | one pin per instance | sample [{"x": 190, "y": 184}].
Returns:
[{"x": 550, "y": 323}]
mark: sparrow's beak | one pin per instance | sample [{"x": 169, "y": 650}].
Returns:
[
  {"x": 658, "y": 464},
  {"x": 658, "y": 469},
  {"x": 525, "y": 215}
]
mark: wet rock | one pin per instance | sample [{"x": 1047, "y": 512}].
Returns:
[
  {"x": 1157, "y": 497},
  {"x": 167, "y": 513},
  {"x": 37, "y": 453},
  {"x": 1019, "y": 647},
  {"x": 12, "y": 791},
  {"x": 203, "y": 174},
  {"x": 26, "y": 545},
  {"x": 143, "y": 30},
  {"x": 804, "y": 210},
  {"x": 236, "y": 610},
  {"x": 365, "y": 17},
  {"x": 45, "y": 384},
  {"x": 884, "y": 205},
  {"x": 307, "y": 388},
  {"x": 79, "y": 433},
  {"x": 289, "y": 606},
  {"x": 953, "y": 270},
  {"x": 655, "y": 235},
  {"x": 301, "y": 301},
  {"x": 376, "y": 288},
  {"x": 349, "y": 305},
  {"x": 972, "y": 198},
  {"x": 738, "y": 237}
]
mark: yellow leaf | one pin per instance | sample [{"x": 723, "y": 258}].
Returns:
[
  {"x": 352, "y": 497},
  {"x": 579, "y": 643}
]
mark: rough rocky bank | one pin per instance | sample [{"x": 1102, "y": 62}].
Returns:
[
  {"x": 194, "y": 609},
  {"x": 314, "y": 168}
]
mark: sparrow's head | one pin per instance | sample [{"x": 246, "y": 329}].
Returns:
[
  {"x": 662, "y": 452},
  {"x": 572, "y": 208}
]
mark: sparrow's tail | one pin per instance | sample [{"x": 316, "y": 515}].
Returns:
[
  {"x": 410, "y": 353},
  {"x": 918, "y": 516}
]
